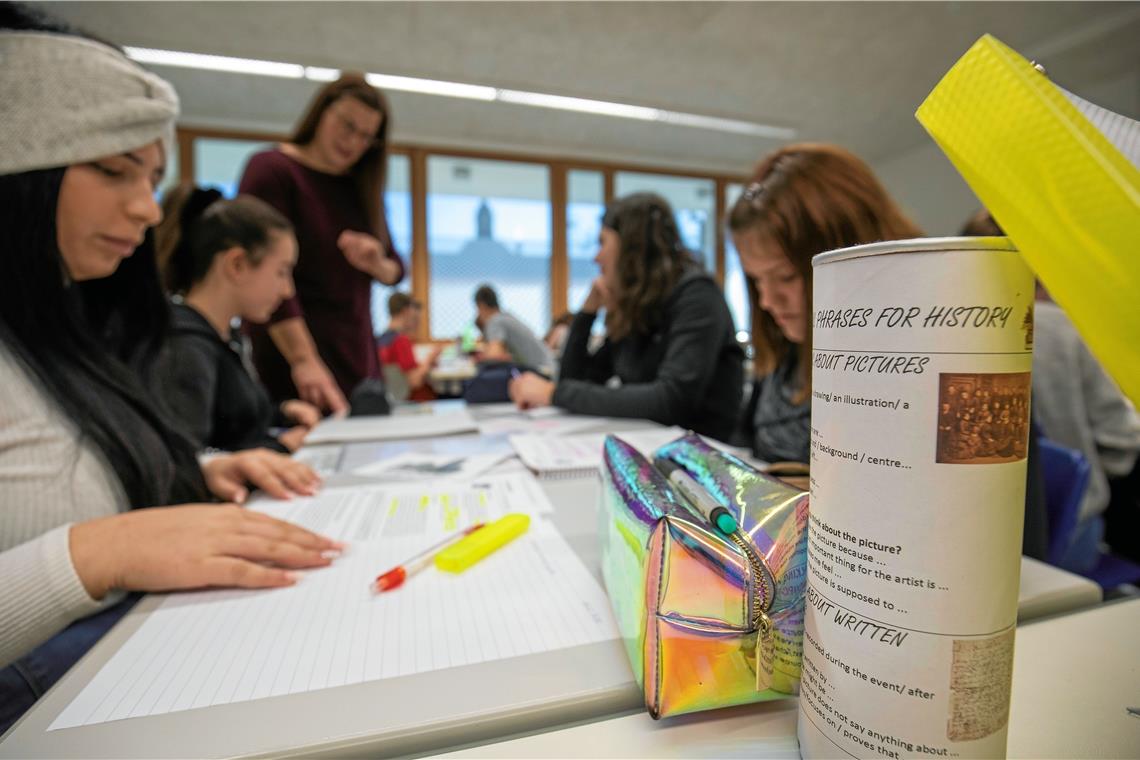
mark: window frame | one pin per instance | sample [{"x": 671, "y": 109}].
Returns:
[{"x": 558, "y": 171}]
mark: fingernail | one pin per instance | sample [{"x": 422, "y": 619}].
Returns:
[
  {"x": 292, "y": 577},
  {"x": 239, "y": 496}
]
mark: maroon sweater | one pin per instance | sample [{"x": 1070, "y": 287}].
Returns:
[{"x": 333, "y": 297}]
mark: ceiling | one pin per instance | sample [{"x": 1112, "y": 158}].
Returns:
[{"x": 851, "y": 73}]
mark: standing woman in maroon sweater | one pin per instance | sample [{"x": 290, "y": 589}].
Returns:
[{"x": 328, "y": 180}]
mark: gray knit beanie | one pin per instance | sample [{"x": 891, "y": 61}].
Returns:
[{"x": 66, "y": 100}]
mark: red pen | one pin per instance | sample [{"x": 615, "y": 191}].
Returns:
[{"x": 395, "y": 577}]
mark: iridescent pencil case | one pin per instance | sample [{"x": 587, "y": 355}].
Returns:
[{"x": 711, "y": 609}]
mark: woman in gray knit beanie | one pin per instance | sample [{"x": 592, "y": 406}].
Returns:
[{"x": 87, "y": 457}]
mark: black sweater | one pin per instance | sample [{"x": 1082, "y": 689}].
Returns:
[
  {"x": 687, "y": 371},
  {"x": 209, "y": 391}
]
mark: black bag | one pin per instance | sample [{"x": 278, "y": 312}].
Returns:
[
  {"x": 489, "y": 386},
  {"x": 369, "y": 398}
]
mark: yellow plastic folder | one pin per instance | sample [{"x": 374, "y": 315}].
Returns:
[{"x": 1060, "y": 176}]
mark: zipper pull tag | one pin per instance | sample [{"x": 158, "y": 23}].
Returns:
[{"x": 765, "y": 653}]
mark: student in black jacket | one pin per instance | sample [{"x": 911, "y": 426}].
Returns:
[
  {"x": 670, "y": 340},
  {"x": 228, "y": 259}
]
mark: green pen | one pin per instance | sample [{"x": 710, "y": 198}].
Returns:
[{"x": 718, "y": 516}]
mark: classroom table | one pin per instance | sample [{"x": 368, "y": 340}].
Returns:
[
  {"x": 1073, "y": 679},
  {"x": 1047, "y": 590},
  {"x": 418, "y": 714},
  {"x": 447, "y": 377}
]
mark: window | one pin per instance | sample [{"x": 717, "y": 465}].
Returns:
[
  {"x": 694, "y": 204},
  {"x": 220, "y": 162},
  {"x": 585, "y": 203},
  {"x": 488, "y": 222},
  {"x": 398, "y": 201},
  {"x": 172, "y": 176},
  {"x": 735, "y": 286}
]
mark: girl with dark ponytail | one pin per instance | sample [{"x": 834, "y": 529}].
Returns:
[
  {"x": 225, "y": 260},
  {"x": 89, "y": 462}
]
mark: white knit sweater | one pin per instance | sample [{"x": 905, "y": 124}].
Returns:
[{"x": 49, "y": 479}]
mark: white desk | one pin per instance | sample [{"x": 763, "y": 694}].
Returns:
[
  {"x": 1073, "y": 677},
  {"x": 447, "y": 377},
  {"x": 419, "y": 714},
  {"x": 1047, "y": 590}
]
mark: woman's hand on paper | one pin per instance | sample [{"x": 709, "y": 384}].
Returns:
[
  {"x": 315, "y": 384},
  {"x": 294, "y": 437},
  {"x": 530, "y": 391},
  {"x": 279, "y": 476},
  {"x": 301, "y": 412},
  {"x": 193, "y": 546}
]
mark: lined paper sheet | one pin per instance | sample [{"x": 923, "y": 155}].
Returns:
[
  {"x": 582, "y": 453},
  {"x": 330, "y": 458},
  {"x": 220, "y": 647},
  {"x": 392, "y": 427},
  {"x": 524, "y": 422},
  {"x": 427, "y": 466},
  {"x": 324, "y": 458}
]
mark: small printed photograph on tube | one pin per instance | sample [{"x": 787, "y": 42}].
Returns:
[{"x": 983, "y": 418}]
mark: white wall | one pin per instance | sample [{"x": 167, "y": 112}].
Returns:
[{"x": 929, "y": 189}]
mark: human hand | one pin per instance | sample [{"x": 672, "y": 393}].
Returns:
[
  {"x": 301, "y": 412},
  {"x": 193, "y": 546},
  {"x": 530, "y": 391},
  {"x": 598, "y": 298},
  {"x": 366, "y": 253},
  {"x": 316, "y": 385},
  {"x": 276, "y": 474},
  {"x": 293, "y": 437}
]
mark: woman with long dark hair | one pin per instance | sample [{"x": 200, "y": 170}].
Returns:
[
  {"x": 226, "y": 259},
  {"x": 86, "y": 454},
  {"x": 328, "y": 180},
  {"x": 803, "y": 200},
  {"x": 669, "y": 334}
]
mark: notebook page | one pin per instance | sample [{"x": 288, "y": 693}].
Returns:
[
  {"x": 582, "y": 452},
  {"x": 391, "y": 427},
  {"x": 221, "y": 647}
]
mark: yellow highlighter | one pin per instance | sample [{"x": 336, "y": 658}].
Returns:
[{"x": 474, "y": 547}]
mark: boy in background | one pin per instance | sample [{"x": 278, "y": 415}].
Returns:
[{"x": 396, "y": 350}]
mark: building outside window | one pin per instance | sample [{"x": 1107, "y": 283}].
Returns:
[
  {"x": 585, "y": 204},
  {"x": 735, "y": 285},
  {"x": 398, "y": 201},
  {"x": 488, "y": 222},
  {"x": 694, "y": 205}
]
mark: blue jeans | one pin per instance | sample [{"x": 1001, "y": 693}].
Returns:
[{"x": 26, "y": 679}]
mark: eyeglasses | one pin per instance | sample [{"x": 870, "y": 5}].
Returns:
[{"x": 349, "y": 128}]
